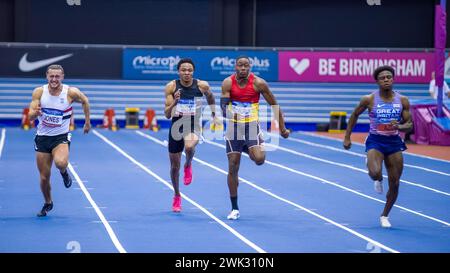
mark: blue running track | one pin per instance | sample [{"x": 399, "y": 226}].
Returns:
[{"x": 309, "y": 196}]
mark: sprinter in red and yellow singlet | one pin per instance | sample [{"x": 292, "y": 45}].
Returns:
[{"x": 240, "y": 106}]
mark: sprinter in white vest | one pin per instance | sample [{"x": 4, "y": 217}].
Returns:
[{"x": 52, "y": 105}]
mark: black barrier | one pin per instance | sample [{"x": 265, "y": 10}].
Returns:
[{"x": 78, "y": 61}]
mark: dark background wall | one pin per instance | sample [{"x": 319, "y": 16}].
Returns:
[{"x": 262, "y": 23}]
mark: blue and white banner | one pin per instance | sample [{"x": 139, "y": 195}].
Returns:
[{"x": 212, "y": 65}]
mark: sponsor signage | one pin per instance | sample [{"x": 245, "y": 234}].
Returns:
[
  {"x": 299, "y": 66},
  {"x": 78, "y": 62},
  {"x": 214, "y": 65}
]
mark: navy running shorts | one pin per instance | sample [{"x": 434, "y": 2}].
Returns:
[
  {"x": 385, "y": 144},
  {"x": 242, "y": 135}
]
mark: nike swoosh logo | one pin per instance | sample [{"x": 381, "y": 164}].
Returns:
[
  {"x": 26, "y": 66},
  {"x": 380, "y": 105}
]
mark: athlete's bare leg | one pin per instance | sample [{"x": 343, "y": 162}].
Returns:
[
  {"x": 375, "y": 164},
  {"x": 234, "y": 161},
  {"x": 44, "y": 165},
  {"x": 190, "y": 142},
  {"x": 394, "y": 167},
  {"x": 175, "y": 159}
]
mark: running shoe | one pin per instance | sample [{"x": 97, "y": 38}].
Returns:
[
  {"x": 46, "y": 208},
  {"x": 234, "y": 215},
  {"x": 67, "y": 179},
  {"x": 378, "y": 186},
  {"x": 176, "y": 205},
  {"x": 384, "y": 220},
  {"x": 187, "y": 175}
]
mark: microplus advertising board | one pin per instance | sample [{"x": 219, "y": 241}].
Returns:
[
  {"x": 212, "y": 65},
  {"x": 298, "y": 66}
]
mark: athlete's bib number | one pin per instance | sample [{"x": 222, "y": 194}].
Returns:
[
  {"x": 242, "y": 109},
  {"x": 385, "y": 127},
  {"x": 52, "y": 117},
  {"x": 186, "y": 107}
]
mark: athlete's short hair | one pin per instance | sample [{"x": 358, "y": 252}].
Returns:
[
  {"x": 242, "y": 57},
  {"x": 185, "y": 60},
  {"x": 380, "y": 69},
  {"x": 55, "y": 67}
]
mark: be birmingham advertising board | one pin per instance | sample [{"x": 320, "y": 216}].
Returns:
[
  {"x": 213, "y": 65},
  {"x": 299, "y": 66}
]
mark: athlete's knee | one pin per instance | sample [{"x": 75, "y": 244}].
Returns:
[
  {"x": 61, "y": 163},
  {"x": 394, "y": 184},
  {"x": 190, "y": 148},
  {"x": 394, "y": 188},
  {"x": 233, "y": 168},
  {"x": 175, "y": 167},
  {"x": 375, "y": 173},
  {"x": 259, "y": 160},
  {"x": 44, "y": 178}
]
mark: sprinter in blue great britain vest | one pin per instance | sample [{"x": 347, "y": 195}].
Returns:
[{"x": 389, "y": 114}]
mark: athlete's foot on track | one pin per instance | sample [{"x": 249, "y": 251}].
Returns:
[
  {"x": 67, "y": 179},
  {"x": 45, "y": 209}
]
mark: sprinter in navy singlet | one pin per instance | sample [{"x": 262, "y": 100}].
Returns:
[{"x": 184, "y": 106}]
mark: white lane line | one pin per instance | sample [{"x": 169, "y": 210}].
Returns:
[
  {"x": 105, "y": 222},
  {"x": 341, "y": 150},
  {"x": 359, "y": 144},
  {"x": 2, "y": 141},
  {"x": 353, "y": 168},
  {"x": 282, "y": 199},
  {"x": 337, "y": 185},
  {"x": 169, "y": 185}
]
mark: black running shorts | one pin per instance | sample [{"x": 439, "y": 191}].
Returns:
[
  {"x": 181, "y": 127},
  {"x": 46, "y": 144}
]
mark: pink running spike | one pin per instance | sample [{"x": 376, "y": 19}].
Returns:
[
  {"x": 187, "y": 175},
  {"x": 176, "y": 205}
]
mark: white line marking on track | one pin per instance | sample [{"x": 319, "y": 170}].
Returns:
[
  {"x": 110, "y": 231},
  {"x": 341, "y": 150},
  {"x": 357, "y": 234},
  {"x": 2, "y": 141},
  {"x": 359, "y": 144},
  {"x": 169, "y": 185},
  {"x": 350, "y": 167},
  {"x": 337, "y": 185}
]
